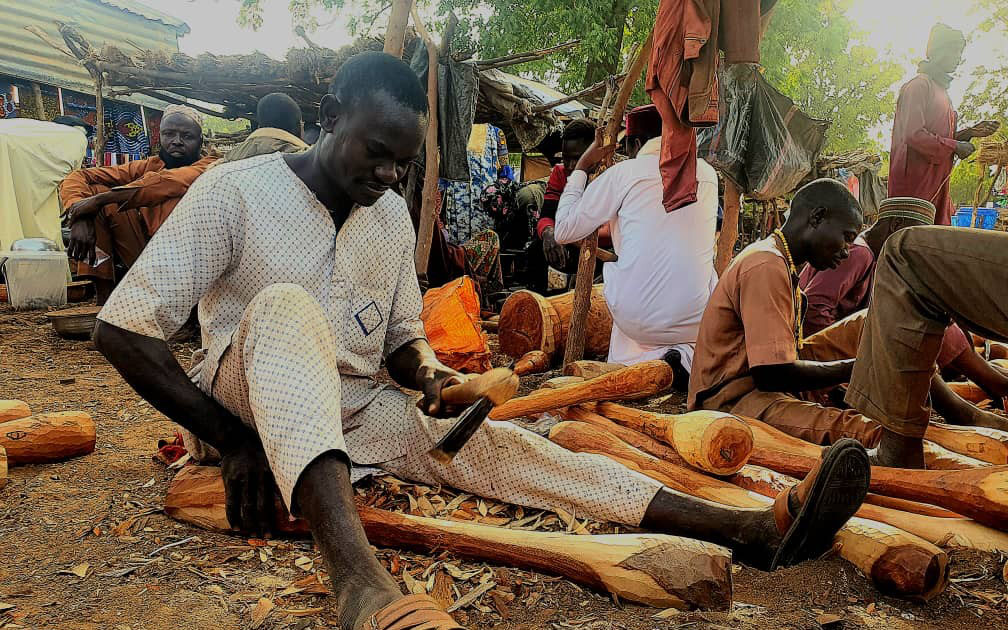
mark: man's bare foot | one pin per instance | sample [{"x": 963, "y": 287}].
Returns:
[
  {"x": 357, "y": 602},
  {"x": 898, "y": 451}
]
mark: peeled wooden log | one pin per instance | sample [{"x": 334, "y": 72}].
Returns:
[
  {"x": 48, "y": 437},
  {"x": 529, "y": 321},
  {"x": 3, "y": 467},
  {"x": 558, "y": 382},
  {"x": 637, "y": 381},
  {"x": 659, "y": 570},
  {"x": 913, "y": 507},
  {"x": 590, "y": 369},
  {"x": 955, "y": 532},
  {"x": 938, "y": 457},
  {"x": 13, "y": 409},
  {"x": 637, "y": 440},
  {"x": 897, "y": 562},
  {"x": 969, "y": 391},
  {"x": 989, "y": 445},
  {"x": 714, "y": 442},
  {"x": 978, "y": 493},
  {"x": 532, "y": 363}
]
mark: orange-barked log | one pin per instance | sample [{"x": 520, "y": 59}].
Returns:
[
  {"x": 654, "y": 569},
  {"x": 532, "y": 363},
  {"x": 13, "y": 409},
  {"x": 47, "y": 437}
]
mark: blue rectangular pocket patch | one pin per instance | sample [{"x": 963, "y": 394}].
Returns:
[{"x": 369, "y": 318}]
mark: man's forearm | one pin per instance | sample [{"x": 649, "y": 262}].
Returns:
[
  {"x": 802, "y": 376},
  {"x": 150, "y": 368},
  {"x": 413, "y": 363}
]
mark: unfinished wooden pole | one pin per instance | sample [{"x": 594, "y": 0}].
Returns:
[
  {"x": 13, "y": 409},
  {"x": 897, "y": 562},
  {"x": 39, "y": 105},
  {"x": 729, "y": 226},
  {"x": 658, "y": 570},
  {"x": 47, "y": 437},
  {"x": 425, "y": 231},
  {"x": 395, "y": 36},
  {"x": 574, "y": 350}
]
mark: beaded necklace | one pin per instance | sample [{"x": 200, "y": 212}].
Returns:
[{"x": 798, "y": 295}]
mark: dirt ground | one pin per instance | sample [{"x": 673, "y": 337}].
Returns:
[{"x": 83, "y": 544}]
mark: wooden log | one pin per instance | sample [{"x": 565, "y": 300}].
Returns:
[
  {"x": 969, "y": 391},
  {"x": 659, "y": 570},
  {"x": 913, "y": 507},
  {"x": 47, "y": 437},
  {"x": 637, "y": 381},
  {"x": 897, "y": 562},
  {"x": 561, "y": 381},
  {"x": 938, "y": 457},
  {"x": 532, "y": 363},
  {"x": 529, "y": 321},
  {"x": 989, "y": 445},
  {"x": 978, "y": 493},
  {"x": 395, "y": 35},
  {"x": 729, "y": 227},
  {"x": 590, "y": 369},
  {"x": 712, "y": 441},
  {"x": 13, "y": 409},
  {"x": 645, "y": 443},
  {"x": 955, "y": 532},
  {"x": 3, "y": 467}
]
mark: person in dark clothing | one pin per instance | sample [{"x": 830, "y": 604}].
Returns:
[
  {"x": 544, "y": 252},
  {"x": 311, "y": 133}
]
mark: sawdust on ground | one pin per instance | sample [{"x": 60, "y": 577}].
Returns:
[{"x": 84, "y": 546}]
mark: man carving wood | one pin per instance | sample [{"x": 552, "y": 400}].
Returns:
[{"x": 302, "y": 265}]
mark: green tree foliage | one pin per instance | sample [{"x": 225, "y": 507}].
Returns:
[
  {"x": 817, "y": 57},
  {"x": 987, "y": 96}
]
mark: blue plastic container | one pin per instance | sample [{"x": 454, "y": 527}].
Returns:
[
  {"x": 985, "y": 218},
  {"x": 963, "y": 217}
]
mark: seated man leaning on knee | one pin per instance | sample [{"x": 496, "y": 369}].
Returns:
[{"x": 302, "y": 265}]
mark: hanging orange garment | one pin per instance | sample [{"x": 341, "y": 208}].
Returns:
[{"x": 451, "y": 320}]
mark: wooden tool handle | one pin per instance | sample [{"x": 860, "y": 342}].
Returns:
[{"x": 498, "y": 385}]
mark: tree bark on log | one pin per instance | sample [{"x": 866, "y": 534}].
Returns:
[
  {"x": 711, "y": 441},
  {"x": 47, "y": 437},
  {"x": 529, "y": 321},
  {"x": 897, "y": 562},
  {"x": 978, "y": 493},
  {"x": 395, "y": 36},
  {"x": 590, "y": 369},
  {"x": 955, "y": 532},
  {"x": 637, "y": 381},
  {"x": 13, "y": 409},
  {"x": 729, "y": 227},
  {"x": 653, "y": 569}
]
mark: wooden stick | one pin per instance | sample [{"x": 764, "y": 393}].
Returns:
[
  {"x": 658, "y": 570},
  {"x": 897, "y": 562},
  {"x": 510, "y": 60},
  {"x": 13, "y": 409},
  {"x": 979, "y": 493},
  {"x": 729, "y": 227},
  {"x": 914, "y": 507},
  {"x": 425, "y": 231},
  {"x": 586, "y": 259},
  {"x": 47, "y": 437},
  {"x": 588, "y": 91},
  {"x": 532, "y": 363},
  {"x": 637, "y": 381},
  {"x": 989, "y": 445},
  {"x": 590, "y": 369},
  {"x": 395, "y": 36},
  {"x": 956, "y": 532}
]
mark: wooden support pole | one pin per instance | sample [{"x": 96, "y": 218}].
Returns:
[
  {"x": 39, "y": 106},
  {"x": 99, "y": 150},
  {"x": 425, "y": 231},
  {"x": 574, "y": 350},
  {"x": 729, "y": 227},
  {"x": 395, "y": 36}
]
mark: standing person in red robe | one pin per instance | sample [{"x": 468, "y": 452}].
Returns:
[{"x": 924, "y": 140}]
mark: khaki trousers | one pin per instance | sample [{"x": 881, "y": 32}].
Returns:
[{"x": 926, "y": 277}]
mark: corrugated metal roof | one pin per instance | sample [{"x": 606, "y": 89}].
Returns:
[
  {"x": 150, "y": 13},
  {"x": 25, "y": 56}
]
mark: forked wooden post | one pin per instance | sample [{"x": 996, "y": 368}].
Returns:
[
  {"x": 574, "y": 350},
  {"x": 425, "y": 231},
  {"x": 729, "y": 227}
]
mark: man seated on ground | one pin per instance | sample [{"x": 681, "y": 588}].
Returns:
[
  {"x": 302, "y": 265},
  {"x": 113, "y": 211},
  {"x": 833, "y": 294},
  {"x": 659, "y": 286},
  {"x": 280, "y": 127},
  {"x": 752, "y": 357},
  {"x": 926, "y": 278},
  {"x": 545, "y": 252}
]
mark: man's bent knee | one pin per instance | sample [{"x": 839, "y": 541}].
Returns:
[{"x": 291, "y": 301}]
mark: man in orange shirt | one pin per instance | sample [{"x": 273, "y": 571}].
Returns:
[{"x": 113, "y": 211}]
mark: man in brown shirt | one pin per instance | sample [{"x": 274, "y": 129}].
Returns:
[
  {"x": 749, "y": 360},
  {"x": 113, "y": 211},
  {"x": 280, "y": 129}
]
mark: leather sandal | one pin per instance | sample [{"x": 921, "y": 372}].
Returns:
[
  {"x": 412, "y": 612},
  {"x": 828, "y": 496}
]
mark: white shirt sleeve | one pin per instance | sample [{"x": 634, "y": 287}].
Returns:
[
  {"x": 581, "y": 211},
  {"x": 189, "y": 252}
]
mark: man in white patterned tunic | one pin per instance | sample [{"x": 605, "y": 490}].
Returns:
[{"x": 302, "y": 268}]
